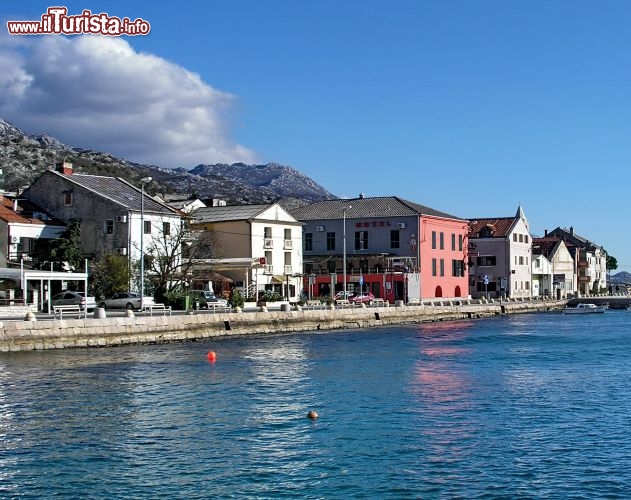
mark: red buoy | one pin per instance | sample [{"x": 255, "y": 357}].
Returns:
[{"x": 212, "y": 357}]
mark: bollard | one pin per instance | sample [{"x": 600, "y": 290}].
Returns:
[
  {"x": 99, "y": 312},
  {"x": 30, "y": 316},
  {"x": 129, "y": 313}
]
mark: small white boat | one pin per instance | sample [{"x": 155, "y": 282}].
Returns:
[{"x": 585, "y": 309}]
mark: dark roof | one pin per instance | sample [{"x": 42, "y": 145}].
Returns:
[
  {"x": 228, "y": 213},
  {"x": 383, "y": 206},
  {"x": 500, "y": 227},
  {"x": 568, "y": 235},
  {"x": 119, "y": 191},
  {"x": 545, "y": 246}
]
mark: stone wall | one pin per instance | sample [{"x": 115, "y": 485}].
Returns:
[{"x": 93, "y": 332}]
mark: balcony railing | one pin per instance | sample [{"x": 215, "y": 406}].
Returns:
[
  {"x": 268, "y": 243},
  {"x": 288, "y": 245}
]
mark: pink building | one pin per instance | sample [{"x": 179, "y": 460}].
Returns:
[{"x": 443, "y": 252}]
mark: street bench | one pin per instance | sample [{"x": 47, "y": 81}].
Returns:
[
  {"x": 314, "y": 304},
  {"x": 219, "y": 308},
  {"x": 343, "y": 303},
  {"x": 69, "y": 309},
  {"x": 149, "y": 308}
]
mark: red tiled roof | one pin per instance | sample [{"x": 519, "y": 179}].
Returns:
[
  {"x": 500, "y": 226},
  {"x": 7, "y": 213}
]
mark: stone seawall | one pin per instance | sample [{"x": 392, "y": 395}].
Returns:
[{"x": 93, "y": 332}]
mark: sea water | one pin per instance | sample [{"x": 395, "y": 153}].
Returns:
[{"x": 523, "y": 406}]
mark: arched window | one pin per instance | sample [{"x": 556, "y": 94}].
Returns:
[
  {"x": 457, "y": 293},
  {"x": 439, "y": 292}
]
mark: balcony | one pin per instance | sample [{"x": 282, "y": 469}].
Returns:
[
  {"x": 288, "y": 269},
  {"x": 268, "y": 269},
  {"x": 268, "y": 243},
  {"x": 583, "y": 263},
  {"x": 583, "y": 279},
  {"x": 288, "y": 245}
]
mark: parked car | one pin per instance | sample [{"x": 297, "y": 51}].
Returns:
[
  {"x": 125, "y": 300},
  {"x": 205, "y": 297},
  {"x": 366, "y": 298},
  {"x": 67, "y": 298},
  {"x": 340, "y": 295}
]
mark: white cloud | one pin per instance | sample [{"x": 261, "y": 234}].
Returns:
[{"x": 99, "y": 93}]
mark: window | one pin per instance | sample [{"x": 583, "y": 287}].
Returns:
[
  {"x": 442, "y": 266},
  {"x": 453, "y": 242},
  {"x": 394, "y": 239},
  {"x": 526, "y": 238},
  {"x": 515, "y": 237},
  {"x": 361, "y": 240},
  {"x": 287, "y": 258},
  {"x": 287, "y": 234},
  {"x": 68, "y": 199},
  {"x": 147, "y": 228},
  {"x": 267, "y": 232},
  {"x": 537, "y": 264},
  {"x": 434, "y": 241},
  {"x": 268, "y": 259},
  {"x": 457, "y": 268},
  {"x": 308, "y": 242},
  {"x": 433, "y": 267},
  {"x": 527, "y": 285},
  {"x": 460, "y": 242},
  {"x": 330, "y": 241},
  {"x": 442, "y": 240},
  {"x": 521, "y": 238},
  {"x": 486, "y": 260},
  {"x": 109, "y": 226},
  {"x": 166, "y": 228},
  {"x": 521, "y": 260}
]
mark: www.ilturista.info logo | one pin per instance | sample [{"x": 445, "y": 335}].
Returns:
[{"x": 56, "y": 21}]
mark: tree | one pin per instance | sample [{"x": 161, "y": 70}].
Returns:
[
  {"x": 109, "y": 275},
  {"x": 64, "y": 253},
  {"x": 612, "y": 264},
  {"x": 169, "y": 257}
]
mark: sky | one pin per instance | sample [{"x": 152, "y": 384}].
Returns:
[{"x": 469, "y": 107}]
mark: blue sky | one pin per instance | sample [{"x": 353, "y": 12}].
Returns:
[{"x": 469, "y": 107}]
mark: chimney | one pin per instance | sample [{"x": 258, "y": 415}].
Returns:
[
  {"x": 545, "y": 233},
  {"x": 361, "y": 196},
  {"x": 571, "y": 231},
  {"x": 64, "y": 167}
]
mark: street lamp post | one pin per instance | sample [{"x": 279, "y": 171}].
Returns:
[
  {"x": 344, "y": 251},
  {"x": 142, "y": 239}
]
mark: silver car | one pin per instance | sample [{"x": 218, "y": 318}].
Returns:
[
  {"x": 68, "y": 298},
  {"x": 125, "y": 300}
]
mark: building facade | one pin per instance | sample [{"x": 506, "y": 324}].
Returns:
[
  {"x": 257, "y": 247},
  {"x": 558, "y": 278},
  {"x": 393, "y": 248},
  {"x": 115, "y": 217},
  {"x": 590, "y": 260},
  {"x": 500, "y": 255}
]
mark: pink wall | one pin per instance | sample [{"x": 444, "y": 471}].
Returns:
[{"x": 446, "y": 285}]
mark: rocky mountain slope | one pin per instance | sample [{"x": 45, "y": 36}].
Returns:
[{"x": 23, "y": 157}]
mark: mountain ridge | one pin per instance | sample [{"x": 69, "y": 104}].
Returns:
[{"x": 23, "y": 157}]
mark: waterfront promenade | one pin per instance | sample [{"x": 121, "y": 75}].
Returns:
[{"x": 141, "y": 329}]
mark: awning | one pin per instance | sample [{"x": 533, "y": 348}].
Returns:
[{"x": 279, "y": 279}]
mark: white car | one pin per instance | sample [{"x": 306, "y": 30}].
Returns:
[
  {"x": 125, "y": 300},
  {"x": 68, "y": 298}
]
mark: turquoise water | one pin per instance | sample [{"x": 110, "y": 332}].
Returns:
[{"x": 528, "y": 406}]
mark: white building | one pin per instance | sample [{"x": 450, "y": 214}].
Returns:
[
  {"x": 500, "y": 256},
  {"x": 258, "y": 247}
]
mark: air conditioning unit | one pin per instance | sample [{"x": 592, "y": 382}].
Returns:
[
  {"x": 401, "y": 225},
  {"x": 319, "y": 229},
  {"x": 121, "y": 251},
  {"x": 15, "y": 239},
  {"x": 121, "y": 218},
  {"x": 268, "y": 243}
]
